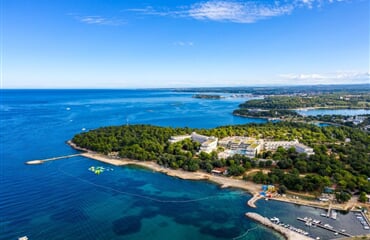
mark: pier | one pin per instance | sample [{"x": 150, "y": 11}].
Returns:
[
  {"x": 325, "y": 227},
  {"x": 41, "y": 161},
  {"x": 287, "y": 233}
]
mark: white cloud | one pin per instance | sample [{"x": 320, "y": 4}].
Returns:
[
  {"x": 99, "y": 20},
  {"x": 328, "y": 78},
  {"x": 238, "y": 12},
  {"x": 234, "y": 10},
  {"x": 183, "y": 44}
]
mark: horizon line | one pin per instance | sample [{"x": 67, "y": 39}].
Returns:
[{"x": 188, "y": 87}]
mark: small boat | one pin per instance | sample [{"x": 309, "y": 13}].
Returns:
[
  {"x": 328, "y": 226},
  {"x": 322, "y": 214},
  {"x": 315, "y": 221},
  {"x": 275, "y": 220},
  {"x": 333, "y": 214},
  {"x": 366, "y": 227},
  {"x": 23, "y": 238}
]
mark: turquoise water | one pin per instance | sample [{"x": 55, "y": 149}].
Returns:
[
  {"x": 63, "y": 200},
  {"x": 345, "y": 112}
]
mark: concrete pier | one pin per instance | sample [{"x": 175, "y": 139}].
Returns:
[
  {"x": 35, "y": 162},
  {"x": 288, "y": 234}
]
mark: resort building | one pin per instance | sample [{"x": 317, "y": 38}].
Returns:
[
  {"x": 246, "y": 146},
  {"x": 199, "y": 138},
  {"x": 208, "y": 144},
  {"x": 240, "y": 145},
  {"x": 299, "y": 147},
  {"x": 180, "y": 138},
  {"x": 273, "y": 145}
]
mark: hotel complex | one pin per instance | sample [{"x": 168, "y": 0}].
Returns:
[{"x": 247, "y": 146}]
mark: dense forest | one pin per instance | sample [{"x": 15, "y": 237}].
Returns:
[
  {"x": 207, "y": 96},
  {"x": 341, "y": 153},
  {"x": 274, "y": 90},
  {"x": 274, "y": 113}
]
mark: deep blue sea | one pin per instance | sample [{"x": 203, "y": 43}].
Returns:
[{"x": 63, "y": 200}]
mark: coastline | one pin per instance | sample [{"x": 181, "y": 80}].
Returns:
[{"x": 224, "y": 182}]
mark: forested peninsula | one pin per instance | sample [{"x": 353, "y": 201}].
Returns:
[
  {"x": 341, "y": 156},
  {"x": 284, "y": 107}
]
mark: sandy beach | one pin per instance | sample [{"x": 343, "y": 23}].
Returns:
[{"x": 224, "y": 182}]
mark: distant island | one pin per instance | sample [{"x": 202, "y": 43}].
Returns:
[
  {"x": 292, "y": 156},
  {"x": 208, "y": 96}
]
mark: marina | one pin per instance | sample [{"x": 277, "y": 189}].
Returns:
[
  {"x": 314, "y": 222},
  {"x": 289, "y": 232}
]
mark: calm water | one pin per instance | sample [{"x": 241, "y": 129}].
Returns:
[
  {"x": 345, "y": 112},
  {"x": 63, "y": 200}
]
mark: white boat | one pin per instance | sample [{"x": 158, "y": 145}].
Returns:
[
  {"x": 333, "y": 214},
  {"x": 23, "y": 238},
  {"x": 316, "y": 221},
  {"x": 275, "y": 220},
  {"x": 328, "y": 226}
]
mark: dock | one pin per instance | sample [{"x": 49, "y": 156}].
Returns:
[
  {"x": 287, "y": 233},
  {"x": 325, "y": 227},
  {"x": 41, "y": 161}
]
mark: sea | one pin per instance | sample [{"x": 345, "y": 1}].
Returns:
[{"x": 64, "y": 200}]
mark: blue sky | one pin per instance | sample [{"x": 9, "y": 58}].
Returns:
[{"x": 168, "y": 43}]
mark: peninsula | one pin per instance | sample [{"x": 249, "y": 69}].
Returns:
[
  {"x": 297, "y": 157},
  {"x": 284, "y": 107}
]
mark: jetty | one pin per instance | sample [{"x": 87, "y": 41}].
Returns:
[
  {"x": 41, "y": 161},
  {"x": 326, "y": 227},
  {"x": 287, "y": 233},
  {"x": 253, "y": 200}
]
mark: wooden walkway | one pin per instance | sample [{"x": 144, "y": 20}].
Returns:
[{"x": 41, "y": 161}]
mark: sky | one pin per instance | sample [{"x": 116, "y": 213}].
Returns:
[{"x": 188, "y": 43}]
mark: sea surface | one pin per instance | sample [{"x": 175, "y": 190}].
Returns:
[
  {"x": 64, "y": 200},
  {"x": 344, "y": 112}
]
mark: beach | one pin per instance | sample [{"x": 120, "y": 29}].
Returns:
[{"x": 224, "y": 182}]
